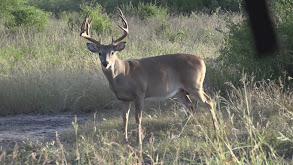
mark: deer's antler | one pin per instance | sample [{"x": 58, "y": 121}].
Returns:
[
  {"x": 124, "y": 28},
  {"x": 85, "y": 30}
]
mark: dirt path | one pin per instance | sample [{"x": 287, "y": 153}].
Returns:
[{"x": 35, "y": 127}]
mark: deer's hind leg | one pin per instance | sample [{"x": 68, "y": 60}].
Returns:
[
  {"x": 184, "y": 99},
  {"x": 203, "y": 97},
  {"x": 139, "y": 102}
]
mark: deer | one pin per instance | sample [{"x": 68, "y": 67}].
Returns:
[{"x": 134, "y": 80}]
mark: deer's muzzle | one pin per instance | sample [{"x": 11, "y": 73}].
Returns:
[{"x": 105, "y": 63}]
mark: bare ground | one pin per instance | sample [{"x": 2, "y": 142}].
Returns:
[{"x": 35, "y": 127}]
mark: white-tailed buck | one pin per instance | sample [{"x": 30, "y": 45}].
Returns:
[{"x": 153, "y": 77}]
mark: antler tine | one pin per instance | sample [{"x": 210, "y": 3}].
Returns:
[
  {"x": 85, "y": 30},
  {"x": 124, "y": 28},
  {"x": 83, "y": 24},
  {"x": 89, "y": 25}
]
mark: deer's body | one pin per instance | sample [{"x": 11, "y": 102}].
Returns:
[{"x": 153, "y": 77}]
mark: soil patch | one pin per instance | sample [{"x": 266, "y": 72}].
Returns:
[{"x": 35, "y": 127}]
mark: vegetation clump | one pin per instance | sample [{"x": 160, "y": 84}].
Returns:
[
  {"x": 16, "y": 14},
  {"x": 238, "y": 54}
]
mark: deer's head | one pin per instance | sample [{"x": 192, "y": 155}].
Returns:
[{"x": 107, "y": 53}]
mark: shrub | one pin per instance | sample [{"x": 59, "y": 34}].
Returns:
[
  {"x": 146, "y": 10},
  {"x": 101, "y": 21},
  {"x": 190, "y": 5},
  {"x": 187, "y": 6},
  {"x": 151, "y": 10},
  {"x": 6, "y": 6},
  {"x": 27, "y": 17},
  {"x": 284, "y": 20},
  {"x": 238, "y": 55},
  {"x": 57, "y": 6},
  {"x": 176, "y": 6},
  {"x": 15, "y": 14}
]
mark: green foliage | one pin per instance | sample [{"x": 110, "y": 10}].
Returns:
[
  {"x": 146, "y": 10},
  {"x": 101, "y": 21},
  {"x": 57, "y": 6},
  {"x": 16, "y": 13},
  {"x": 6, "y": 6},
  {"x": 239, "y": 56},
  {"x": 175, "y": 6},
  {"x": 284, "y": 20},
  {"x": 187, "y": 6},
  {"x": 230, "y": 5},
  {"x": 27, "y": 17},
  {"x": 190, "y": 5}
]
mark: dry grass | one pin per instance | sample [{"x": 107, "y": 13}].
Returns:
[
  {"x": 53, "y": 71},
  {"x": 255, "y": 128}
]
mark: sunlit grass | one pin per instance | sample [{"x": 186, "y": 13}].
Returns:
[{"x": 52, "y": 71}]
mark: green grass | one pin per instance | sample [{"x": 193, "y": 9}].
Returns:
[{"x": 52, "y": 71}]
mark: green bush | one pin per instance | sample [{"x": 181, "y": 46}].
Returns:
[
  {"x": 6, "y": 6},
  {"x": 151, "y": 10},
  {"x": 190, "y": 5},
  {"x": 15, "y": 14},
  {"x": 238, "y": 55},
  {"x": 175, "y": 6},
  {"x": 27, "y": 17},
  {"x": 146, "y": 10},
  {"x": 101, "y": 21},
  {"x": 187, "y": 6},
  {"x": 284, "y": 20},
  {"x": 57, "y": 6}
]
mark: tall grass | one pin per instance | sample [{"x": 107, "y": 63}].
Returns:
[
  {"x": 48, "y": 72},
  {"x": 255, "y": 128},
  {"x": 52, "y": 70}
]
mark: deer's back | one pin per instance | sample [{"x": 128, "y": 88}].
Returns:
[{"x": 167, "y": 73}]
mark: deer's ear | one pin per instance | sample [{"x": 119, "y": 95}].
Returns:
[
  {"x": 92, "y": 47},
  {"x": 120, "y": 46}
]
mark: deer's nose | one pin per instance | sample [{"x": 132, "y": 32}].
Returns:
[{"x": 105, "y": 63}]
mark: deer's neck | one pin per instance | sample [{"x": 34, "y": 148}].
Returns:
[{"x": 116, "y": 70}]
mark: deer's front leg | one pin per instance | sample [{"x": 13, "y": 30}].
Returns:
[
  {"x": 139, "y": 101},
  {"x": 125, "y": 113}
]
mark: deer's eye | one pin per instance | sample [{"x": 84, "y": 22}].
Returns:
[
  {"x": 99, "y": 53},
  {"x": 112, "y": 52}
]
